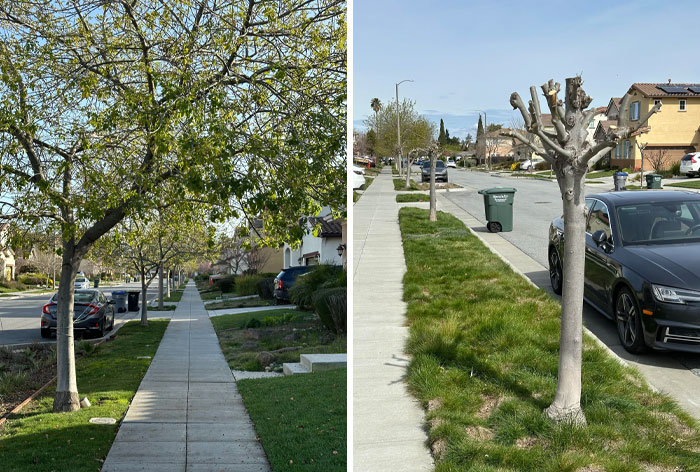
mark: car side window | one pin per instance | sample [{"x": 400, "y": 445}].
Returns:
[{"x": 599, "y": 219}]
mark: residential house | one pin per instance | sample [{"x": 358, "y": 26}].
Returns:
[
  {"x": 328, "y": 246},
  {"x": 7, "y": 256},
  {"x": 673, "y": 130},
  {"x": 254, "y": 257}
]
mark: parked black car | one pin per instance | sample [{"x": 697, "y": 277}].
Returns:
[
  {"x": 642, "y": 266},
  {"x": 440, "y": 171},
  {"x": 285, "y": 280},
  {"x": 92, "y": 313}
]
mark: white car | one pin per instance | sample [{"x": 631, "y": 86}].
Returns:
[
  {"x": 690, "y": 164},
  {"x": 451, "y": 163},
  {"x": 531, "y": 163},
  {"x": 82, "y": 282},
  {"x": 358, "y": 177}
]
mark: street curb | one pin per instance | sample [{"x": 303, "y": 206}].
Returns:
[{"x": 612, "y": 353}]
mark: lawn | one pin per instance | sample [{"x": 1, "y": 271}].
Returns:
[
  {"x": 243, "y": 336},
  {"x": 597, "y": 174},
  {"x": 484, "y": 346},
  {"x": 412, "y": 197},
  {"x": 689, "y": 184},
  {"x": 301, "y": 420},
  {"x": 400, "y": 184},
  {"x": 175, "y": 296},
  {"x": 39, "y": 440},
  {"x": 247, "y": 302},
  {"x": 165, "y": 308}
]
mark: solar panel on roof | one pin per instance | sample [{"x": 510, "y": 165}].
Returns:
[
  {"x": 672, "y": 88},
  {"x": 694, "y": 88}
]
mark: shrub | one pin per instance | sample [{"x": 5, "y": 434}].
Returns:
[
  {"x": 331, "y": 306},
  {"x": 676, "y": 168},
  {"x": 266, "y": 288},
  {"x": 11, "y": 284},
  {"x": 543, "y": 166},
  {"x": 27, "y": 269},
  {"x": 253, "y": 323},
  {"x": 201, "y": 278},
  {"x": 278, "y": 320},
  {"x": 32, "y": 279},
  {"x": 247, "y": 284},
  {"x": 226, "y": 284},
  {"x": 323, "y": 276}
]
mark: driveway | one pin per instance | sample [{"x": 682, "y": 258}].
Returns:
[{"x": 536, "y": 203}]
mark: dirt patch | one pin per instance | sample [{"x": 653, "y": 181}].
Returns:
[
  {"x": 438, "y": 448},
  {"x": 23, "y": 372},
  {"x": 537, "y": 395},
  {"x": 436, "y": 423},
  {"x": 679, "y": 428},
  {"x": 661, "y": 468},
  {"x": 590, "y": 468},
  {"x": 490, "y": 404},
  {"x": 434, "y": 404},
  {"x": 527, "y": 442},
  {"x": 479, "y": 432}
]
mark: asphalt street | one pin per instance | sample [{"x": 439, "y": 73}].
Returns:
[
  {"x": 19, "y": 317},
  {"x": 536, "y": 203}
]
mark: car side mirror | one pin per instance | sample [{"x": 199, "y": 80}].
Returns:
[{"x": 600, "y": 238}]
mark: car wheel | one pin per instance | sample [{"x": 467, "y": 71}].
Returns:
[
  {"x": 45, "y": 333},
  {"x": 102, "y": 330},
  {"x": 555, "y": 272},
  {"x": 629, "y": 323}
]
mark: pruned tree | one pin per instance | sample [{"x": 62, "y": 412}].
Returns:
[
  {"x": 571, "y": 155},
  {"x": 102, "y": 103},
  {"x": 657, "y": 159},
  {"x": 432, "y": 152},
  {"x": 419, "y": 134}
]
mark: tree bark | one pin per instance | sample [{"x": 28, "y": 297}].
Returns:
[
  {"x": 160, "y": 287},
  {"x": 433, "y": 203},
  {"x": 144, "y": 295},
  {"x": 567, "y": 400},
  {"x": 66, "y": 397},
  {"x": 169, "y": 283},
  {"x": 408, "y": 170}
]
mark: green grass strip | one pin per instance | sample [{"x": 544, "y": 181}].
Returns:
[
  {"x": 245, "y": 303},
  {"x": 174, "y": 296},
  {"x": 485, "y": 345},
  {"x": 689, "y": 184},
  {"x": 412, "y": 197},
  {"x": 301, "y": 419},
  {"x": 400, "y": 184},
  {"x": 39, "y": 440}
]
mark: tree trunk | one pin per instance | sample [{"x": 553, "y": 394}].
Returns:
[
  {"x": 567, "y": 399},
  {"x": 408, "y": 172},
  {"x": 144, "y": 295},
  {"x": 433, "y": 203},
  {"x": 169, "y": 283},
  {"x": 160, "y": 287},
  {"x": 66, "y": 397}
]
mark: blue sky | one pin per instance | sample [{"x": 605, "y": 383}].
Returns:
[{"x": 470, "y": 55}]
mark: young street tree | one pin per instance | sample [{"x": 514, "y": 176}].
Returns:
[
  {"x": 419, "y": 135},
  {"x": 102, "y": 103},
  {"x": 570, "y": 155}
]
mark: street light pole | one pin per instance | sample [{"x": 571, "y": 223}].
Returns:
[{"x": 398, "y": 122}]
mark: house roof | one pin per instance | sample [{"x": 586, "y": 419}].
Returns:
[
  {"x": 615, "y": 101},
  {"x": 600, "y": 110},
  {"x": 329, "y": 228},
  {"x": 652, "y": 90}
]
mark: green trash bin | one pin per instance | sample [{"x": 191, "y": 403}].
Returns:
[
  {"x": 498, "y": 204},
  {"x": 653, "y": 180}
]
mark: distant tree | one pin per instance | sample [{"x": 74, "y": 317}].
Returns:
[
  {"x": 479, "y": 129},
  {"x": 421, "y": 133},
  {"x": 493, "y": 127},
  {"x": 376, "y": 105},
  {"x": 447, "y": 135},
  {"x": 657, "y": 159},
  {"x": 371, "y": 141},
  {"x": 480, "y": 145},
  {"x": 441, "y": 136},
  {"x": 384, "y": 123},
  {"x": 467, "y": 142}
]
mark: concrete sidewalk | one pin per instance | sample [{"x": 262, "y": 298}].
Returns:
[
  {"x": 388, "y": 423},
  {"x": 187, "y": 414}
]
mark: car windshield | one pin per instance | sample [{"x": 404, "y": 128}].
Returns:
[
  {"x": 659, "y": 222},
  {"x": 438, "y": 164},
  {"x": 80, "y": 279}
]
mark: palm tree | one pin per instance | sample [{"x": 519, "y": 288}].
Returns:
[{"x": 376, "y": 106}]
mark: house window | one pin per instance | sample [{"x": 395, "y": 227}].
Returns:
[
  {"x": 618, "y": 151},
  {"x": 634, "y": 111},
  {"x": 681, "y": 105},
  {"x": 628, "y": 150}
]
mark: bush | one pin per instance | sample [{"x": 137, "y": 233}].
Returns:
[
  {"x": 676, "y": 168},
  {"x": 253, "y": 323},
  {"x": 11, "y": 284},
  {"x": 331, "y": 306},
  {"x": 543, "y": 166},
  {"x": 278, "y": 320},
  {"x": 266, "y": 288},
  {"x": 226, "y": 284},
  {"x": 247, "y": 284},
  {"x": 32, "y": 279},
  {"x": 323, "y": 276},
  {"x": 201, "y": 278},
  {"x": 27, "y": 269}
]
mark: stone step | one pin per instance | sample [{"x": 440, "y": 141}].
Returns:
[
  {"x": 321, "y": 362},
  {"x": 292, "y": 368}
]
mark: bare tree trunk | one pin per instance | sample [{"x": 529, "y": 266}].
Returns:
[
  {"x": 144, "y": 295},
  {"x": 66, "y": 397},
  {"x": 408, "y": 171},
  {"x": 433, "y": 203},
  {"x": 567, "y": 399},
  {"x": 168, "y": 284},
  {"x": 160, "y": 287}
]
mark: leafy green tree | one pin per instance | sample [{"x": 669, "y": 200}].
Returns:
[
  {"x": 479, "y": 129},
  {"x": 371, "y": 140},
  {"x": 442, "y": 136},
  {"x": 493, "y": 127},
  {"x": 103, "y": 103}
]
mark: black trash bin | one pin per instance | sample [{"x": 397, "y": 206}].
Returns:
[
  {"x": 133, "y": 300},
  {"x": 620, "y": 179},
  {"x": 96, "y": 283}
]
